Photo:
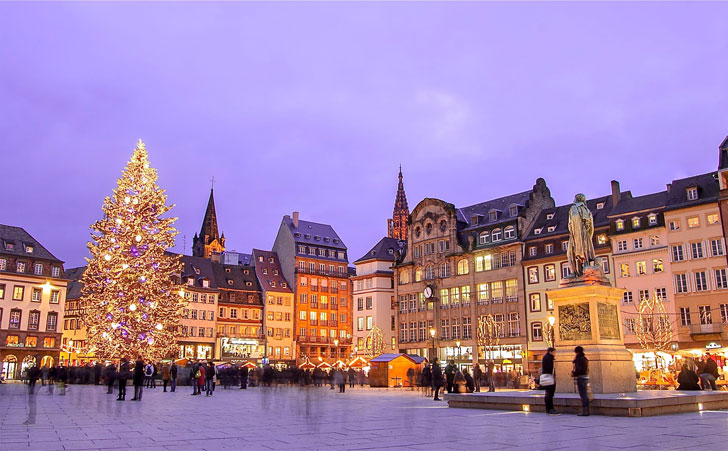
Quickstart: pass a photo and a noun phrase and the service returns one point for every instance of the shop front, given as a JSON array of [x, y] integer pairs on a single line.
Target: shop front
[[240, 349], [196, 351]]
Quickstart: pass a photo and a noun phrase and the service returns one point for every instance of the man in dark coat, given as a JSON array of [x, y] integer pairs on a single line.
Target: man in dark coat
[[437, 380], [123, 376], [97, 373], [110, 375], [709, 373], [244, 377], [352, 377], [33, 375], [581, 374], [173, 376], [547, 367], [450, 371], [477, 374], [138, 379], [687, 379]]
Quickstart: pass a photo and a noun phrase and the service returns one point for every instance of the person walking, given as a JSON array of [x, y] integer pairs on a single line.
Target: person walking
[[209, 378], [138, 379], [340, 379], [687, 379], [194, 375], [450, 371], [33, 375], [709, 373], [491, 378], [243, 377], [148, 371], [123, 376], [411, 378], [477, 374], [62, 378], [43, 375], [201, 378], [110, 375], [165, 376], [352, 377], [173, 377], [426, 380], [581, 374], [547, 380], [437, 380]]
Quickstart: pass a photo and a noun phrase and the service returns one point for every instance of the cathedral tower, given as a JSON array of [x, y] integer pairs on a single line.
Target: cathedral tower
[[209, 240], [397, 226]]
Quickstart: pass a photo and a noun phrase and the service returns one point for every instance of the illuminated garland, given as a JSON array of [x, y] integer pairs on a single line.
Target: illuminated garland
[[132, 308], [374, 342], [489, 331], [653, 330]]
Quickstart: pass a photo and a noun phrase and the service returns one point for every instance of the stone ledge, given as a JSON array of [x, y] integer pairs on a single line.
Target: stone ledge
[[641, 403]]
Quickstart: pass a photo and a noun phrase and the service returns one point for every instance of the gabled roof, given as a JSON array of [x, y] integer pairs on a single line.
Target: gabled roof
[[708, 189], [387, 249], [74, 287], [500, 204], [234, 277], [20, 239], [200, 269], [560, 217], [417, 358], [314, 233], [269, 273], [654, 201], [390, 357]]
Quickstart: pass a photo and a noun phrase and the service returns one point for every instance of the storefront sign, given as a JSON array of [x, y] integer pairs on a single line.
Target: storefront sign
[[15, 345], [239, 347]]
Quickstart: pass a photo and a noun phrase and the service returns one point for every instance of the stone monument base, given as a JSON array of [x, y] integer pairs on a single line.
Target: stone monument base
[[611, 369]]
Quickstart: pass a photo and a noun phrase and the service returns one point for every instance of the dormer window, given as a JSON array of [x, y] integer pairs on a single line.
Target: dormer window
[[551, 228], [265, 271], [538, 231], [29, 249], [497, 234], [620, 224], [271, 260], [245, 271], [227, 270], [248, 284], [297, 235], [284, 284], [549, 216], [514, 211], [493, 216], [275, 272], [484, 237], [327, 239], [230, 282], [509, 232], [474, 220], [635, 223], [692, 193], [206, 284], [600, 205], [652, 219], [272, 284], [9, 246], [190, 281], [390, 251], [307, 236], [260, 258], [602, 238], [336, 240], [317, 238]]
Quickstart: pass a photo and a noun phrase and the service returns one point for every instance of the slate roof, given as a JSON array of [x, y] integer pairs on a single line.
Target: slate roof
[[560, 217], [389, 357], [723, 156], [417, 358], [274, 273], [388, 249], [654, 201], [192, 265], [314, 233], [233, 277], [500, 204], [20, 239], [74, 287], [708, 189]]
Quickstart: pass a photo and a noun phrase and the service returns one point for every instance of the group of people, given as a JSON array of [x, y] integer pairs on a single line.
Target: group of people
[[702, 376], [51, 376], [580, 373]]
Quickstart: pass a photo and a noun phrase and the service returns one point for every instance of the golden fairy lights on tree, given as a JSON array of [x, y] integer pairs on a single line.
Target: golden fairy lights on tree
[[132, 308], [374, 342], [654, 329], [489, 331]]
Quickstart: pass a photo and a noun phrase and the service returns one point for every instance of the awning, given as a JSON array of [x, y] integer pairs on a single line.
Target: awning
[[307, 365], [359, 362], [324, 365]]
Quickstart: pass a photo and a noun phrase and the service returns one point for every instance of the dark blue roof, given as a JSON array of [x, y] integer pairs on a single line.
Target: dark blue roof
[[387, 249], [707, 185], [314, 233]]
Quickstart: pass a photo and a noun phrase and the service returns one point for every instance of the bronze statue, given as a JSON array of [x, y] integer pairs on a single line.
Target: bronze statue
[[581, 230]]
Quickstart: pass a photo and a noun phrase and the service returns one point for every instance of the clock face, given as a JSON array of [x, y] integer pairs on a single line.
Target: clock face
[[428, 292]]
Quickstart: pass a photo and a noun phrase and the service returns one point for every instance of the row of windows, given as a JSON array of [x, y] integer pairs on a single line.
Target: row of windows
[[303, 298], [698, 249], [693, 222], [193, 331], [429, 248], [636, 222], [701, 281], [322, 317], [323, 333], [200, 297], [35, 296], [278, 316], [38, 268], [245, 331], [279, 300], [450, 329], [276, 351], [360, 303], [483, 262], [638, 243], [655, 266], [304, 281], [16, 317], [246, 313], [201, 314], [360, 323], [659, 293], [549, 271], [330, 253], [496, 235], [279, 332], [705, 315], [30, 341]]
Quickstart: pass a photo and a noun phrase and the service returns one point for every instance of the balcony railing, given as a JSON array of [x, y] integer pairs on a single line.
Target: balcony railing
[[322, 340], [697, 329], [318, 272]]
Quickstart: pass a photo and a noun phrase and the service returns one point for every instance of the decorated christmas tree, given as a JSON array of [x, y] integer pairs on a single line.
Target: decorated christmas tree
[[132, 307]]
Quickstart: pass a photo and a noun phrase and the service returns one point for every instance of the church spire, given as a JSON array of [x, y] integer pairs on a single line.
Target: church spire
[[209, 239], [397, 226]]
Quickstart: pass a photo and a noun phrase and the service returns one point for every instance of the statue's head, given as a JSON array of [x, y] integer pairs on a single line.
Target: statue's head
[[579, 198]]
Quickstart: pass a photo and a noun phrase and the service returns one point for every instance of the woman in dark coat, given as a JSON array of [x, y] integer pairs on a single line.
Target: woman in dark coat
[[123, 376], [138, 379], [687, 379], [110, 376], [437, 380]]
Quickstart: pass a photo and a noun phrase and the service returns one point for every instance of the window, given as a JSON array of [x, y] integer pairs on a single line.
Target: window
[[34, 320], [51, 321], [685, 316], [641, 268], [3, 264], [712, 218], [429, 272], [605, 264], [483, 238], [535, 302], [497, 234], [657, 265], [629, 326], [692, 193], [624, 270], [533, 274], [620, 224], [532, 251], [635, 223], [724, 313], [369, 303], [444, 270], [701, 281], [644, 295], [661, 293], [483, 293], [565, 271], [455, 295], [514, 326], [509, 233], [20, 266], [221, 314], [704, 314], [2, 292], [31, 342], [622, 245], [654, 240], [370, 323], [513, 210], [483, 263], [403, 277], [35, 295], [602, 238], [674, 225], [496, 289], [720, 279], [697, 249], [549, 248], [716, 246], [360, 304], [681, 283], [652, 219], [512, 290], [360, 323], [463, 267], [18, 292], [549, 273], [492, 216], [627, 298], [693, 222], [536, 332], [418, 274], [537, 231], [38, 269], [677, 253], [637, 243], [233, 313]]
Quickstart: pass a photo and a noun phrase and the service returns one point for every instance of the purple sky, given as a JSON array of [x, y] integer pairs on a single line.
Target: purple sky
[[311, 107]]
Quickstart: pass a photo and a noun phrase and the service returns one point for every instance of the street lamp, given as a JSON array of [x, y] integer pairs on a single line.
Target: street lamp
[[432, 334]]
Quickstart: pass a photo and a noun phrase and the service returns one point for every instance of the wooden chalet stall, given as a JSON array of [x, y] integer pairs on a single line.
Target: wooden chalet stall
[[390, 370]]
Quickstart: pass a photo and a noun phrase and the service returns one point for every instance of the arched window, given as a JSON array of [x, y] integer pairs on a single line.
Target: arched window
[[429, 272], [484, 237], [404, 276], [463, 267], [509, 233], [418, 274], [497, 235]]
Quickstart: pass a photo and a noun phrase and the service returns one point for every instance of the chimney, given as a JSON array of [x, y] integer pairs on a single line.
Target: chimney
[[616, 193], [295, 219], [669, 185]]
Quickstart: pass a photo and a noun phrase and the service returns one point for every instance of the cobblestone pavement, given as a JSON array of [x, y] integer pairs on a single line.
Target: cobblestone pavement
[[319, 418]]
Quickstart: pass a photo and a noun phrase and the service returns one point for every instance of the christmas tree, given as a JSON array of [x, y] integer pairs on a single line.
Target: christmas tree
[[132, 307]]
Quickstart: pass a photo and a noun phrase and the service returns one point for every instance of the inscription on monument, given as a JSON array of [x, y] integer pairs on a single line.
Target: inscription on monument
[[608, 321], [575, 322]]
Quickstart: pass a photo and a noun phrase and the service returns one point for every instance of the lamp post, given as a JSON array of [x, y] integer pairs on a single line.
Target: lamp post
[[336, 345], [432, 334], [457, 343]]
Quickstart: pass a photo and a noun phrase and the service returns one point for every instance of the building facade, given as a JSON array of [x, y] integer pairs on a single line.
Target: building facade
[[723, 185], [314, 260], [197, 327], [698, 262], [374, 301], [545, 264], [462, 264], [209, 241], [74, 351], [32, 296], [278, 310]]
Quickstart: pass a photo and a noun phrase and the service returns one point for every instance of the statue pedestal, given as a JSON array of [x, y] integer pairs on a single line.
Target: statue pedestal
[[587, 314]]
